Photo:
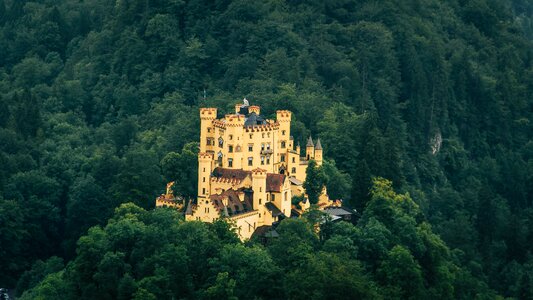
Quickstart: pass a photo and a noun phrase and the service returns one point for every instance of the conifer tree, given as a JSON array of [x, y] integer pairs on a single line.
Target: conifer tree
[[314, 181]]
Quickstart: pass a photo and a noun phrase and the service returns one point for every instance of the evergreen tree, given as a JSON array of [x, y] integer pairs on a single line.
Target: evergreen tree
[[314, 181]]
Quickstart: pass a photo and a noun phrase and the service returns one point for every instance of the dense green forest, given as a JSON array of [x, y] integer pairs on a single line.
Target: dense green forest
[[424, 109]]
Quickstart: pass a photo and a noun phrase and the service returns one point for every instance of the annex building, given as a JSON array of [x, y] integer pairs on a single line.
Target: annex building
[[249, 169]]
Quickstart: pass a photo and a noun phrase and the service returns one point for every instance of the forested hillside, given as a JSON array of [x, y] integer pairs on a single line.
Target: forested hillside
[[99, 106]]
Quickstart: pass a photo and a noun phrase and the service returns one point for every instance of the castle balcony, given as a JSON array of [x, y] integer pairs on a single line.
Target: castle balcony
[[266, 151]]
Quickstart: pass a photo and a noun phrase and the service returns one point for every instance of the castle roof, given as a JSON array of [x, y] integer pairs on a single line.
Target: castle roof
[[318, 145], [254, 119], [310, 142], [273, 209], [274, 182], [230, 173], [235, 204]]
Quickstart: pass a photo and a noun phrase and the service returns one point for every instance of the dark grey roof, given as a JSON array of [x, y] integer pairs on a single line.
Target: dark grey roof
[[295, 181], [339, 211], [275, 211], [188, 211], [318, 145], [254, 119], [310, 142]]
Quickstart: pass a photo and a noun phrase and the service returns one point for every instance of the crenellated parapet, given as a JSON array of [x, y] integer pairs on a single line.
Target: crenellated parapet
[[283, 116], [208, 113], [205, 156], [263, 127], [254, 109]]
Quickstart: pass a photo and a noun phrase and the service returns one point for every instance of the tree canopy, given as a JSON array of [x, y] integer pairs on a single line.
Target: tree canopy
[[99, 107]]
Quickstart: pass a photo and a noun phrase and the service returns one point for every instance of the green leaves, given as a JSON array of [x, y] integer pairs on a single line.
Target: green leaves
[[314, 181]]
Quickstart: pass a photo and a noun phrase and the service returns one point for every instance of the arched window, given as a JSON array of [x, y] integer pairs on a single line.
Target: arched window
[[283, 144], [220, 142], [219, 158]]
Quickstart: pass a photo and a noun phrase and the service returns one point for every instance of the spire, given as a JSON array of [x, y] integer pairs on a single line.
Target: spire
[[310, 142], [318, 145]]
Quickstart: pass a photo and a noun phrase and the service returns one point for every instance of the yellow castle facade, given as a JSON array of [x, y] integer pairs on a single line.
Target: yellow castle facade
[[249, 169]]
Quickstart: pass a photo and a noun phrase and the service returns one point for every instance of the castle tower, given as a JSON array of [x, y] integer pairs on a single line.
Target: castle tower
[[283, 117], [204, 173], [310, 149], [254, 109], [207, 133], [259, 187], [318, 153]]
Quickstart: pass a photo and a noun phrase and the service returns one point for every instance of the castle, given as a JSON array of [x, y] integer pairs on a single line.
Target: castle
[[249, 169]]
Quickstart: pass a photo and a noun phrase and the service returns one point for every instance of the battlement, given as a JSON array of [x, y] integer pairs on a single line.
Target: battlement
[[263, 127], [233, 120], [259, 172], [254, 109], [205, 155], [283, 116], [208, 113]]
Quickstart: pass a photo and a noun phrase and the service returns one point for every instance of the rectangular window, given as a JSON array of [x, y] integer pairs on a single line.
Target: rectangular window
[[283, 132], [294, 160], [230, 148], [250, 161], [283, 144], [268, 146], [268, 160], [282, 158], [293, 170], [230, 137], [203, 179], [262, 160], [250, 148], [203, 191], [273, 197], [208, 129], [230, 162]]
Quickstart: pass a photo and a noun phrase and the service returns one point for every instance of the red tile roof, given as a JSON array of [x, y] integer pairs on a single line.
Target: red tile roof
[[230, 173], [274, 182]]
